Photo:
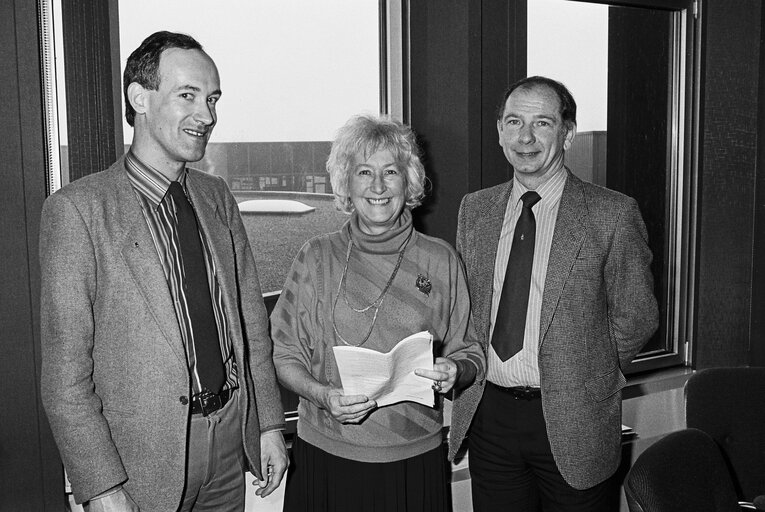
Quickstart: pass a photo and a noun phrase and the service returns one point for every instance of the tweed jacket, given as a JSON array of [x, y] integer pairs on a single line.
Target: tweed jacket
[[598, 310], [115, 382]]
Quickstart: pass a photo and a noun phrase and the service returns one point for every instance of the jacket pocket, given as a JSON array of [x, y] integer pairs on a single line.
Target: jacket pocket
[[605, 386]]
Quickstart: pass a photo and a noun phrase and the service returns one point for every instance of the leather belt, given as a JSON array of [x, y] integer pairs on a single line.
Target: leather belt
[[519, 392], [207, 403]]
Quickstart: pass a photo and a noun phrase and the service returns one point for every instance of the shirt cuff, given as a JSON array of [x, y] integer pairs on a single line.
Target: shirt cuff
[[467, 370], [109, 492]]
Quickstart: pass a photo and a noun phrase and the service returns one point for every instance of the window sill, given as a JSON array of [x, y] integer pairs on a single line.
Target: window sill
[[656, 381]]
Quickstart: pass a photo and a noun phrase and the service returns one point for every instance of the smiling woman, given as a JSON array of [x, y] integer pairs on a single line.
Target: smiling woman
[[377, 191], [373, 282], [375, 170]]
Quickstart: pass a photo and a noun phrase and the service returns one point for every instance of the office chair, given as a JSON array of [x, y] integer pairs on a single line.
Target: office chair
[[682, 472], [729, 405]]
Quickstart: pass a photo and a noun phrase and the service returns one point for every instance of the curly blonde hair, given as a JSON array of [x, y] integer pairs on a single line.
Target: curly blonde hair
[[364, 135]]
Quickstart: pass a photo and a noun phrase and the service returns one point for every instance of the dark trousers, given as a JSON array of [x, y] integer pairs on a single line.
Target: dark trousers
[[512, 467]]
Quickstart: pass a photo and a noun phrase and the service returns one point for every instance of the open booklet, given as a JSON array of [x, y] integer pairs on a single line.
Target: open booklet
[[389, 377]]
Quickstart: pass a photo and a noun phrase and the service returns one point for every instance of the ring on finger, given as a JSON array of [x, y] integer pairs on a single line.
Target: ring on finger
[[437, 385]]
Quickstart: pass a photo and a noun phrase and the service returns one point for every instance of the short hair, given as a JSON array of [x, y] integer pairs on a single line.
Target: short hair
[[565, 98], [143, 64], [364, 135]]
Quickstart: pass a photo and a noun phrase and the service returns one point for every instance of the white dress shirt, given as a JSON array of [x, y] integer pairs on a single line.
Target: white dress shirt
[[523, 369]]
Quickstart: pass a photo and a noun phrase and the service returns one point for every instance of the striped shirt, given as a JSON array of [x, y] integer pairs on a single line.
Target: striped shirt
[[158, 208], [523, 369]]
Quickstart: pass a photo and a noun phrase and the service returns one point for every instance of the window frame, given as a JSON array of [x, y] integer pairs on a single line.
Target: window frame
[[682, 193], [682, 190]]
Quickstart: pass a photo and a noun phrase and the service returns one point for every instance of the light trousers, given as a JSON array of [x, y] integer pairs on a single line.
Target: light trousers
[[215, 461]]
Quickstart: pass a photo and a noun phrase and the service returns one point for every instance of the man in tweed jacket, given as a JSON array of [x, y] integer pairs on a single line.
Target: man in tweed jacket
[[546, 423], [119, 381]]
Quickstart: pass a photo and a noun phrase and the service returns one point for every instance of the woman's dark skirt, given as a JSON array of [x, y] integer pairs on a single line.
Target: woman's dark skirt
[[318, 481]]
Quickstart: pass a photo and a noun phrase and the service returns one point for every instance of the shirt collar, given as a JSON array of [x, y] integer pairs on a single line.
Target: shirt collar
[[550, 191], [148, 181]]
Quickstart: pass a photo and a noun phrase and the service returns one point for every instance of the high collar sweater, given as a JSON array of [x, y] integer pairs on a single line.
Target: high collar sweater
[[303, 331]]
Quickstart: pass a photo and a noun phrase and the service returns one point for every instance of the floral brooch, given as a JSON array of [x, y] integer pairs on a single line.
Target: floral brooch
[[423, 284]]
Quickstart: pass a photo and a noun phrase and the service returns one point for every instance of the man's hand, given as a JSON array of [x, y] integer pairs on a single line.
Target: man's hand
[[347, 408], [273, 462], [118, 501]]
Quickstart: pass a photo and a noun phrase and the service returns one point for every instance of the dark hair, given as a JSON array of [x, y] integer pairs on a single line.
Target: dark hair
[[143, 64], [567, 103]]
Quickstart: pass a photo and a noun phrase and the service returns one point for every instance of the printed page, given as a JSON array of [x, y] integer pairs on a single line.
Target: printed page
[[389, 378]]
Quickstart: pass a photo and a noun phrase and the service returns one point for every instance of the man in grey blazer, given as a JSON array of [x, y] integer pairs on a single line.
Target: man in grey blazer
[[157, 375], [562, 296]]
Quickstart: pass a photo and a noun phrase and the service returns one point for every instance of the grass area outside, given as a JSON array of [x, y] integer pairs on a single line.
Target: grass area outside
[[276, 238]]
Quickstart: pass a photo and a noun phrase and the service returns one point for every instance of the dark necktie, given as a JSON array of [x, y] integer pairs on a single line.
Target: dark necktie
[[209, 362], [510, 323]]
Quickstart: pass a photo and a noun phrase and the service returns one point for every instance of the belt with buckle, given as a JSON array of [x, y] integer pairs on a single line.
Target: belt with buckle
[[208, 402], [519, 392]]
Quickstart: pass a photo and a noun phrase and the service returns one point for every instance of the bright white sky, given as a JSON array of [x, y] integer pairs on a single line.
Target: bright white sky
[[291, 70], [568, 41]]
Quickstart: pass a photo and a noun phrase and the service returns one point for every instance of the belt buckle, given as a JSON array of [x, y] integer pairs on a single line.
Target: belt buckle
[[524, 393], [210, 402]]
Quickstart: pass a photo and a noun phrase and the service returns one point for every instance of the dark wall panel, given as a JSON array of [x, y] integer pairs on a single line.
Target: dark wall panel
[[503, 59], [30, 472], [463, 57], [757, 335], [440, 55], [727, 175], [90, 91]]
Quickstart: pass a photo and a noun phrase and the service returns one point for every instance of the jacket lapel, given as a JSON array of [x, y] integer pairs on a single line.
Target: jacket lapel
[[218, 236], [489, 228], [142, 261], [567, 240]]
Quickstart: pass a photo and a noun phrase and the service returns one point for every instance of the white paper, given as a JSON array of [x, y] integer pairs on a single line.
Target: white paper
[[389, 377]]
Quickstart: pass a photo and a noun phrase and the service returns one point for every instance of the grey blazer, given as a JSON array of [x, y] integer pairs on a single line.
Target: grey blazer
[[115, 382], [598, 310]]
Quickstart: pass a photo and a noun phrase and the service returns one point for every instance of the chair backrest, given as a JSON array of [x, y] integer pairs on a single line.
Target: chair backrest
[[729, 405], [683, 471]]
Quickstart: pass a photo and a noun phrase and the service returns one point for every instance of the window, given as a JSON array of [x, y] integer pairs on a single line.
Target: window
[[629, 70], [291, 73], [273, 144]]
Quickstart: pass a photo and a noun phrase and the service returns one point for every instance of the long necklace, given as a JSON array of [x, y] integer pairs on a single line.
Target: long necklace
[[342, 288]]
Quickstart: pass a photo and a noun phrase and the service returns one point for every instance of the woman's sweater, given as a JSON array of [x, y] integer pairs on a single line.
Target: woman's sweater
[[303, 333]]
